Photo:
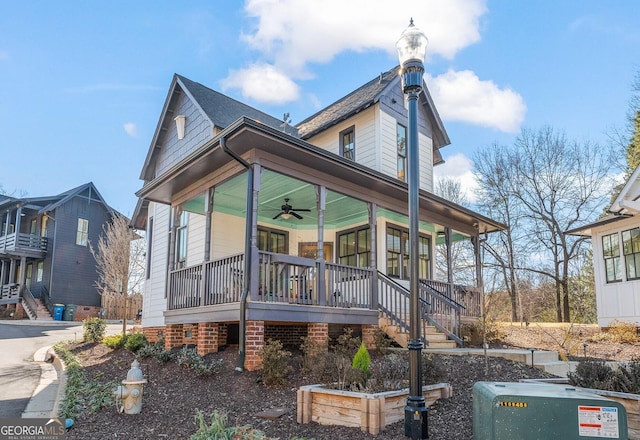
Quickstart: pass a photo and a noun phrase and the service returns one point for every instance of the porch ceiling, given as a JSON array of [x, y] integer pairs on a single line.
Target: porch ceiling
[[256, 143]]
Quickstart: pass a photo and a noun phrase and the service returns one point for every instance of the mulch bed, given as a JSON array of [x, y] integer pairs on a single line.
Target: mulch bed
[[173, 393]]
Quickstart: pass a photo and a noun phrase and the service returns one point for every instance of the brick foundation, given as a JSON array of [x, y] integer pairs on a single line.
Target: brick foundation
[[84, 312], [173, 336], [208, 337], [368, 332], [254, 343], [222, 334], [319, 332], [289, 335], [190, 334], [153, 334]]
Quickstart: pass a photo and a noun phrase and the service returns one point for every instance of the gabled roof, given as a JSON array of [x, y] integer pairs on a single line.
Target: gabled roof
[[627, 200], [364, 97], [49, 203], [220, 110]]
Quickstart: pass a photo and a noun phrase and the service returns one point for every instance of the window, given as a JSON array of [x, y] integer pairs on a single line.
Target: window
[[631, 247], [149, 246], [398, 254], [611, 252], [39, 271], [33, 227], [270, 240], [82, 236], [348, 144], [181, 240], [354, 247], [29, 275], [401, 132]]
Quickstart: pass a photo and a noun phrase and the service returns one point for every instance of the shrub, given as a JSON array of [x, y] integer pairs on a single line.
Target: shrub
[[115, 341], [391, 372], [94, 329], [135, 342], [626, 378], [190, 358], [592, 374], [156, 350], [217, 429], [382, 340], [275, 363], [473, 332], [362, 360], [623, 332]]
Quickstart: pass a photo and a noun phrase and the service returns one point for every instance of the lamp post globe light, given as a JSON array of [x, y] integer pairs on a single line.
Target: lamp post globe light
[[412, 47]]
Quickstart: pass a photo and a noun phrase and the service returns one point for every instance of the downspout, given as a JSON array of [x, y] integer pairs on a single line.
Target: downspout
[[247, 255]]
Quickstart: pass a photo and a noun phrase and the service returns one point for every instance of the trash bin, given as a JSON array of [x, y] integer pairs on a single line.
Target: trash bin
[[69, 312], [58, 310]]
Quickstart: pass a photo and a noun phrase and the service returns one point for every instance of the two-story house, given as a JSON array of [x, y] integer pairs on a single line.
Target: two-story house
[[259, 230], [44, 250], [615, 241]]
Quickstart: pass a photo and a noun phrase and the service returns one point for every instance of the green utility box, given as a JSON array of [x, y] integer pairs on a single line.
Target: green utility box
[[532, 411]]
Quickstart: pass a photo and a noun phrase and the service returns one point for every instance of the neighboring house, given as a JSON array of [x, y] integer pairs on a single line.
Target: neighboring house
[[259, 230], [615, 240], [44, 250]]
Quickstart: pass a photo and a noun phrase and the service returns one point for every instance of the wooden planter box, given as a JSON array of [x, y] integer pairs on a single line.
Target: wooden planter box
[[370, 412]]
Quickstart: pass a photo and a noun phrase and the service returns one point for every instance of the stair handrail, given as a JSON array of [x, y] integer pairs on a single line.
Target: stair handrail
[[29, 301], [46, 299], [396, 316], [444, 312]]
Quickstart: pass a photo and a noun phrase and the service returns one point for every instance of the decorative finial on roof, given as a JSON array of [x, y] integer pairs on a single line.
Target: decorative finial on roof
[[286, 120]]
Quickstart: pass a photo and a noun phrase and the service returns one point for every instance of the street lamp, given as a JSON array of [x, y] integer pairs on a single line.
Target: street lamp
[[411, 47]]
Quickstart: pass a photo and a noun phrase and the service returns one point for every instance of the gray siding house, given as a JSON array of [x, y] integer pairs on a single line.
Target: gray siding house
[[260, 230], [44, 250]]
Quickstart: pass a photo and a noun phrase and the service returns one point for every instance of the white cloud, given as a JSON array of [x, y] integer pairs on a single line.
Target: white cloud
[[462, 96], [291, 34], [263, 82], [131, 129], [459, 167]]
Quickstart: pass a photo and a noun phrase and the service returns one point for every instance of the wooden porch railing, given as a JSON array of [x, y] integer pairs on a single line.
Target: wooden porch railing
[[46, 298], [20, 241], [442, 311], [466, 296], [10, 293], [349, 286], [286, 278]]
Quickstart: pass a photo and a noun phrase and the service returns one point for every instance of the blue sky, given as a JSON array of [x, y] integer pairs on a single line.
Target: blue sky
[[82, 83]]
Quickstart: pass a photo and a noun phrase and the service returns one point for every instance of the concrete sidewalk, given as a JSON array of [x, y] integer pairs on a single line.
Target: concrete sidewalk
[[48, 395]]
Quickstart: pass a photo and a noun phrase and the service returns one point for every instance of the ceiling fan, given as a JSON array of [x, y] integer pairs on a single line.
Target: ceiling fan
[[287, 211]]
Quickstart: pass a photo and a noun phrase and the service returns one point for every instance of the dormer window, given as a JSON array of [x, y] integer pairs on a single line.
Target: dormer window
[[348, 144]]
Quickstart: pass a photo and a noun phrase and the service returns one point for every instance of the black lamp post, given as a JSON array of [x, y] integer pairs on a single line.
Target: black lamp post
[[411, 47]]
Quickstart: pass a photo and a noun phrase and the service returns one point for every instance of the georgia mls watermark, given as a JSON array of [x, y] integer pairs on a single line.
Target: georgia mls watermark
[[32, 429]]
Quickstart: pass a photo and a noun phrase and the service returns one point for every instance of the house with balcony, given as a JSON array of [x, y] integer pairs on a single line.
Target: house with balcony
[[615, 242], [259, 230], [44, 251]]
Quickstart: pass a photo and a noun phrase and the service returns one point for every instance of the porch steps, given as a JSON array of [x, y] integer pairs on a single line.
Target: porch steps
[[436, 339], [42, 313]]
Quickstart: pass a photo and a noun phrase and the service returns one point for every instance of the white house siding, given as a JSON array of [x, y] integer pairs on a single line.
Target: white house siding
[[426, 162], [195, 239], [227, 236], [154, 301], [198, 130], [365, 135], [619, 300]]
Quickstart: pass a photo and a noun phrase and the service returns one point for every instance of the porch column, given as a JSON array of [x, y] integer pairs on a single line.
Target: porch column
[[12, 271], [6, 229], [3, 272], [254, 275], [321, 200], [475, 240], [175, 221], [373, 264], [255, 342], [18, 218], [207, 223], [23, 270], [447, 239]]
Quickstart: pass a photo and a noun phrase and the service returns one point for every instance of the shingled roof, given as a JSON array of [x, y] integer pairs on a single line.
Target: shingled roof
[[354, 102], [223, 110]]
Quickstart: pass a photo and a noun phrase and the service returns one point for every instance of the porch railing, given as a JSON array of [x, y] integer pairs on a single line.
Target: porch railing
[[468, 297], [214, 282], [10, 293], [442, 311], [30, 302], [20, 241], [288, 279], [349, 286], [46, 298]]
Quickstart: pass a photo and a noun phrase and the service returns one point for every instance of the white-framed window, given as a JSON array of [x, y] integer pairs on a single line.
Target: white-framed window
[[39, 271], [181, 242], [82, 235], [631, 248], [611, 253], [348, 144]]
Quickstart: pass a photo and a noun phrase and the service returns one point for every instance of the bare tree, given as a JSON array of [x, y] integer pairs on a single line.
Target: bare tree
[[555, 184], [119, 256]]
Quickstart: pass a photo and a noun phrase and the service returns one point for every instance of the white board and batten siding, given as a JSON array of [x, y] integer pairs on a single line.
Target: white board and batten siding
[[616, 300], [198, 130]]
